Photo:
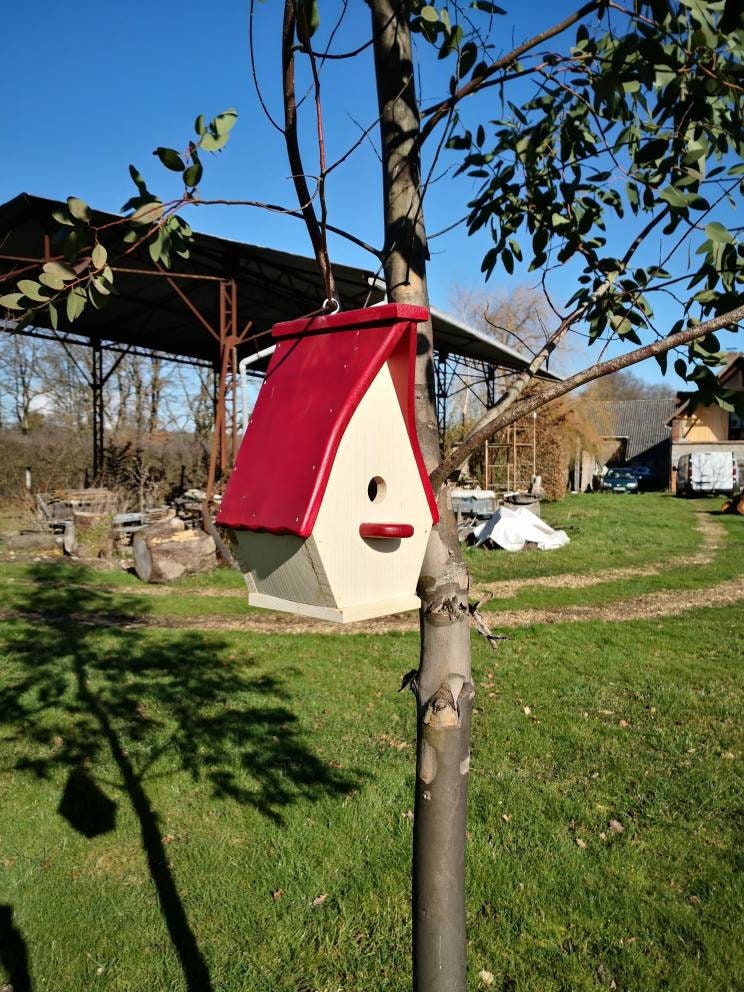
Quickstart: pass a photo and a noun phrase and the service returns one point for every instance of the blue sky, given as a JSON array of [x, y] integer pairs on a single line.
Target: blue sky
[[90, 87]]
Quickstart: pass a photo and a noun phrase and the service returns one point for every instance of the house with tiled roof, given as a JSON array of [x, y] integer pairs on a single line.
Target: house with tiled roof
[[631, 432], [710, 428]]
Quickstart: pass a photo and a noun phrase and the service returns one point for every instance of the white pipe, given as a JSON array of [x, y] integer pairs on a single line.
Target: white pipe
[[242, 366]]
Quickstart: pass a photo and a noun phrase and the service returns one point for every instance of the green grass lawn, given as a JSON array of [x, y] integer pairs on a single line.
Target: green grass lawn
[[607, 530], [227, 812]]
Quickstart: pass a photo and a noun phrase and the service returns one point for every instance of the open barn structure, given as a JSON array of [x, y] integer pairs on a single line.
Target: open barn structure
[[214, 310]]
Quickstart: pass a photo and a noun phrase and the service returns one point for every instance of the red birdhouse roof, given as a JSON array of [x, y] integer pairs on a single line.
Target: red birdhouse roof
[[321, 369]]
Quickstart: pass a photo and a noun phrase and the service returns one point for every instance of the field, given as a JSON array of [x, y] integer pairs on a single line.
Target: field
[[200, 797]]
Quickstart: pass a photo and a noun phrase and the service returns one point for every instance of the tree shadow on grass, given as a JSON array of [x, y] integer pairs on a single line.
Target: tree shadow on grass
[[13, 953], [91, 685]]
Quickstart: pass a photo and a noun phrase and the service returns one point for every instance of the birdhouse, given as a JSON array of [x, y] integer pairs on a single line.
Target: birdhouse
[[329, 502]]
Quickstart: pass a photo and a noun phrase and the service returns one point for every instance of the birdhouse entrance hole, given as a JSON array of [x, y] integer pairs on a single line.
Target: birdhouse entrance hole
[[376, 489]]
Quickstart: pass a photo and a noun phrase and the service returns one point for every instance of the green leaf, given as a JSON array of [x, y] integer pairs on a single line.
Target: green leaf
[[674, 197], [12, 301], [311, 16], [53, 316], [210, 143], [170, 159], [137, 179], [507, 260], [662, 360], [192, 175], [78, 209], [224, 123], [52, 280], [59, 270], [155, 245], [680, 367], [96, 298], [652, 151], [717, 232], [102, 285], [486, 7], [468, 55], [558, 221], [62, 218], [429, 13], [620, 324], [32, 290], [99, 256], [148, 214], [200, 125], [75, 303]]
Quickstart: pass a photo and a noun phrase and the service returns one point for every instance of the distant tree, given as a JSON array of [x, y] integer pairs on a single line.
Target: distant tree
[[23, 388], [627, 386], [519, 318]]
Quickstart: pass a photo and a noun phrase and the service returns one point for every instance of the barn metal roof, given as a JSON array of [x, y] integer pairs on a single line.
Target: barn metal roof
[[272, 286], [643, 421]]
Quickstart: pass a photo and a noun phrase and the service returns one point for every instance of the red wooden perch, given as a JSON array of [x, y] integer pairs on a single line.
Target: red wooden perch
[[388, 531]]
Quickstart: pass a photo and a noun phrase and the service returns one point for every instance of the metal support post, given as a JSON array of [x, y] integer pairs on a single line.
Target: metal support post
[[440, 371], [96, 383]]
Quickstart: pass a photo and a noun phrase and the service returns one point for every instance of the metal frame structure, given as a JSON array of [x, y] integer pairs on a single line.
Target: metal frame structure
[[214, 309], [510, 458]]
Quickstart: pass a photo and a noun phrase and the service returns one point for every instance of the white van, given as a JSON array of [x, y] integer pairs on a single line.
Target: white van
[[704, 472]]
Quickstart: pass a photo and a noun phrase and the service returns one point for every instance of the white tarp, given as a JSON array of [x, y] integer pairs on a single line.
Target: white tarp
[[511, 529]]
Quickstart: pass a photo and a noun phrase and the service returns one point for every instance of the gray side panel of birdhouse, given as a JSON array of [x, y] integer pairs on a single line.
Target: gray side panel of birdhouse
[[284, 566]]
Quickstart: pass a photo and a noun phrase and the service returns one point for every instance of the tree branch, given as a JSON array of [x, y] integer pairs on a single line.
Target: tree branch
[[480, 435], [293, 147], [441, 109]]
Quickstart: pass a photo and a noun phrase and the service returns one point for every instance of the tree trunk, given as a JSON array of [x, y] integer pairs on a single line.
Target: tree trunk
[[443, 688], [166, 551]]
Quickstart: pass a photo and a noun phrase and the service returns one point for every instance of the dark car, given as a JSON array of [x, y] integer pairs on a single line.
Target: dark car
[[642, 472], [620, 481]]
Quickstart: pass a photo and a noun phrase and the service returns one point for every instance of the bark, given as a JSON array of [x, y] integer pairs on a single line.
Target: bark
[[442, 686], [166, 551], [156, 387], [34, 542]]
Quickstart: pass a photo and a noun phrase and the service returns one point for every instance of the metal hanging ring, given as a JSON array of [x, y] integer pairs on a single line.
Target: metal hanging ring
[[332, 305]]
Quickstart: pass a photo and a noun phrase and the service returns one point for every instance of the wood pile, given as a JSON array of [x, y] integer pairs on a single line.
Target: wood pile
[[165, 551]]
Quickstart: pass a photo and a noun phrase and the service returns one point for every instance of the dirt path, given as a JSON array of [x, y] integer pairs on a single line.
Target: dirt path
[[712, 532], [644, 607]]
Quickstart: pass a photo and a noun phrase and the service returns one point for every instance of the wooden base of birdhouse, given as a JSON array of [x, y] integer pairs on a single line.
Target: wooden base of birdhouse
[[346, 614]]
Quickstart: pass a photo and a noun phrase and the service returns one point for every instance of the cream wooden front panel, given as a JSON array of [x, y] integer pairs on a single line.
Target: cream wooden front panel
[[375, 445]]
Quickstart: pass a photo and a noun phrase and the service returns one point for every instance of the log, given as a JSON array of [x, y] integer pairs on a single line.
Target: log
[[34, 542], [69, 542], [165, 551]]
